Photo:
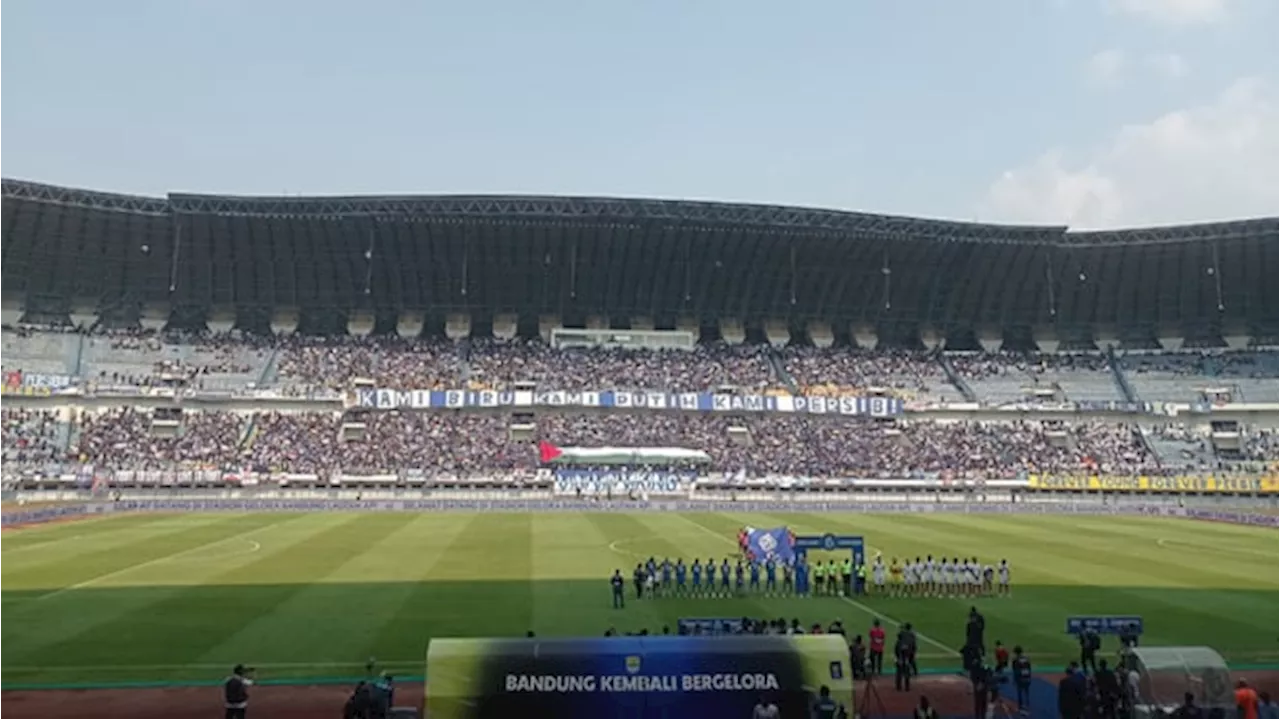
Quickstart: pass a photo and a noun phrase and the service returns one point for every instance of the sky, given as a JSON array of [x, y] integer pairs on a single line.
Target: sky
[[1090, 113]]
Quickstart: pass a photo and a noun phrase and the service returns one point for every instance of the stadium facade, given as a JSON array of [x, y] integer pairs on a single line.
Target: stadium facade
[[475, 264]]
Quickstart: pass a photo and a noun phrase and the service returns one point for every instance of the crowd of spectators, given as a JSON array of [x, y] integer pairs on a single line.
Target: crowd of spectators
[[390, 362], [844, 370], [475, 443], [1261, 445], [447, 444], [31, 436], [820, 447], [499, 364], [129, 439], [976, 367]]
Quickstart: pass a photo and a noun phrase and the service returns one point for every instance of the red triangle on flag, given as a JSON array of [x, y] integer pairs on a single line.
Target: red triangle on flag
[[548, 452]]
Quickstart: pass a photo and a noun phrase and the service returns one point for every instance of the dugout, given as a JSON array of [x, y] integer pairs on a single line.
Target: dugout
[[1166, 673], [661, 676]]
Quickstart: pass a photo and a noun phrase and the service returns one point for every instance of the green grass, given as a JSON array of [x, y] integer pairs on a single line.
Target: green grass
[[183, 597]]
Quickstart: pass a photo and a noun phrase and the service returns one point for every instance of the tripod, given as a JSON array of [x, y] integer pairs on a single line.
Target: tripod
[[870, 694]]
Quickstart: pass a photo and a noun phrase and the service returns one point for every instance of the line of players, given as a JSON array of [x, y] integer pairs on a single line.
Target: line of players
[[940, 578], [918, 578], [770, 577]]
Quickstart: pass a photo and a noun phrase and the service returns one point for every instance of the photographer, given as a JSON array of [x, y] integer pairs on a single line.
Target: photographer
[[907, 637], [1090, 643], [1072, 693], [902, 665], [1022, 674], [1108, 690], [974, 630], [235, 691], [858, 658], [986, 689]]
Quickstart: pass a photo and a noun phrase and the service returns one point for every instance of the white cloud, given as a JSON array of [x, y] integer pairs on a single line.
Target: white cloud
[[1170, 65], [1173, 12], [1105, 68], [1216, 161]]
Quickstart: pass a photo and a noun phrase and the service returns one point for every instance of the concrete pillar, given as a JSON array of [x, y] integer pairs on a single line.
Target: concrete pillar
[[284, 320]]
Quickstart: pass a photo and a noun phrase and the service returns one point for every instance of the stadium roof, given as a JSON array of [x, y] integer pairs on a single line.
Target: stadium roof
[[577, 256]]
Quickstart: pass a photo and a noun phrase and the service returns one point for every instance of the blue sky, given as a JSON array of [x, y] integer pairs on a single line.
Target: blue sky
[[1089, 112]]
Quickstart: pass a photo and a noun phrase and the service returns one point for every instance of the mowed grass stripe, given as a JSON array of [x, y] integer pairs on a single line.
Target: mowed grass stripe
[[419, 615], [26, 539], [62, 620], [1234, 561], [106, 549], [351, 598], [483, 585], [573, 558]]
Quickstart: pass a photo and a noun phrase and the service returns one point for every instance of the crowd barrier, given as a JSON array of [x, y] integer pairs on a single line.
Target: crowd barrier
[[621, 506]]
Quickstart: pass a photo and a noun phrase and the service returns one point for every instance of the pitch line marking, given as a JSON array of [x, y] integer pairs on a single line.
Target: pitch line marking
[[883, 617], [1174, 544], [134, 567], [251, 544]]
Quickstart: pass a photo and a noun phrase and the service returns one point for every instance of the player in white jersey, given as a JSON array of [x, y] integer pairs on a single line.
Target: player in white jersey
[[940, 572], [930, 576], [1002, 572], [878, 575], [975, 577], [911, 577], [956, 579], [962, 577]]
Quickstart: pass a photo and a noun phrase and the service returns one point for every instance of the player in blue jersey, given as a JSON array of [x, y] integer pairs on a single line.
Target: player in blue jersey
[[770, 575], [696, 571], [788, 586], [725, 571], [802, 577], [755, 576], [681, 572], [666, 577], [710, 569], [740, 578], [651, 566]]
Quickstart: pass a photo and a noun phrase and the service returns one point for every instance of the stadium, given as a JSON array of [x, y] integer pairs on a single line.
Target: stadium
[[316, 434]]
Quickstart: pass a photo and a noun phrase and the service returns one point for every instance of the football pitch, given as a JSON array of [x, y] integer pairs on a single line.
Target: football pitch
[[182, 597]]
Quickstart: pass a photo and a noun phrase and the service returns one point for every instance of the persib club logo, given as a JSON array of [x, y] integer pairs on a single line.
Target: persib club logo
[[828, 542], [633, 664], [768, 544]]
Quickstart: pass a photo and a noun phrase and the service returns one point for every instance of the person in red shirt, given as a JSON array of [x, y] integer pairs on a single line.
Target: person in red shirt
[[1246, 700], [876, 653], [1002, 657]]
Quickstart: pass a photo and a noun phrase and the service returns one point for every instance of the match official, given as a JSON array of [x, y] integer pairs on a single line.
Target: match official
[[619, 587], [235, 692]]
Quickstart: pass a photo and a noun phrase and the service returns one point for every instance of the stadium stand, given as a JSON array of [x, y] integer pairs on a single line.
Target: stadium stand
[[281, 306]]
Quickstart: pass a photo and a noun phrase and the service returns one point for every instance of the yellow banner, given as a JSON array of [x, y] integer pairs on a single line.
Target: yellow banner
[[1225, 484], [25, 391]]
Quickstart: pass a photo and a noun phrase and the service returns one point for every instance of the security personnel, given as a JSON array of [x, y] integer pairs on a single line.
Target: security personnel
[[861, 587], [826, 707], [846, 573], [235, 692], [819, 573]]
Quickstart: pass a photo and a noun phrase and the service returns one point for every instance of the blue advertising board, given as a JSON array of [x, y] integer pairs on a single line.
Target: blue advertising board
[[710, 625], [1122, 624]]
